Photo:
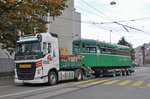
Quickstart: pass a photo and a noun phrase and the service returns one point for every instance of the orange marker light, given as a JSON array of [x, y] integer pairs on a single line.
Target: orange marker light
[[34, 31], [22, 33]]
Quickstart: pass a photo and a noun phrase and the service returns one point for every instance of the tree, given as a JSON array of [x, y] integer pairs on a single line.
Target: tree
[[25, 16], [122, 41]]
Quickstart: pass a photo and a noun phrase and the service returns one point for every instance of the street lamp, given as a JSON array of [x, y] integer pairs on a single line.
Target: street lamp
[[113, 3]]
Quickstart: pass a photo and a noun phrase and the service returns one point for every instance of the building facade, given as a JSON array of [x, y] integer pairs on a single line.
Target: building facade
[[142, 54], [67, 26]]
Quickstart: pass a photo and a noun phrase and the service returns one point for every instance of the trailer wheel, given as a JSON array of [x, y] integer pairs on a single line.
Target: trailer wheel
[[52, 78], [114, 74], [128, 72], [78, 74], [120, 73], [124, 73]]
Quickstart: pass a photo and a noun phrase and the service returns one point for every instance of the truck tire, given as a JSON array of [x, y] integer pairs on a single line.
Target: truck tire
[[52, 78], [97, 75], [78, 74]]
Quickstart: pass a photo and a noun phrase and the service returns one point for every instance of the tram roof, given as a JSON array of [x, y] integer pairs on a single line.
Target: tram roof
[[105, 43]]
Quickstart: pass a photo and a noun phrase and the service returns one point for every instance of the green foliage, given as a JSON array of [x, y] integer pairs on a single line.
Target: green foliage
[[25, 16], [122, 41]]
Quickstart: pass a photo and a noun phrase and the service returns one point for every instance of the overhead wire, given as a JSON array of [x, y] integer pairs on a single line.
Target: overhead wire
[[109, 18]]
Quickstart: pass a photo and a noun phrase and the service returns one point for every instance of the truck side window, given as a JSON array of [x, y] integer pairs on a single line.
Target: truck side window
[[44, 48], [49, 47]]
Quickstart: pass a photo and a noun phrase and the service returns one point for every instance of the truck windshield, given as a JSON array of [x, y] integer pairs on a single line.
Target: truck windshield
[[28, 50]]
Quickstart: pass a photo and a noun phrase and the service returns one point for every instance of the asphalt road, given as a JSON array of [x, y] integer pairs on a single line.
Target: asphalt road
[[135, 86]]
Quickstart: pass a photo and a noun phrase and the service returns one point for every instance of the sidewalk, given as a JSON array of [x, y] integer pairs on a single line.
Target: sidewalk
[[6, 81]]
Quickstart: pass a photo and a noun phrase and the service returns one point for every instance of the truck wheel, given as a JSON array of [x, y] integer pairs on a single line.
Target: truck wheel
[[97, 75], [78, 75], [52, 78]]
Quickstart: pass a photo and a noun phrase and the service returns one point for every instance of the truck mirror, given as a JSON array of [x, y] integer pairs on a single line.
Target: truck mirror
[[39, 37]]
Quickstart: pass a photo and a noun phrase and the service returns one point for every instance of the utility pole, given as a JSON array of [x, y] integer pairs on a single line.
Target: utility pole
[[110, 35]]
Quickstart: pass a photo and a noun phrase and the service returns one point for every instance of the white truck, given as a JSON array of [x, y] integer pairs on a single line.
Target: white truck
[[37, 60]]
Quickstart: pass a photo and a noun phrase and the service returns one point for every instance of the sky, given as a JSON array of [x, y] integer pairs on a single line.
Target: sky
[[98, 20]]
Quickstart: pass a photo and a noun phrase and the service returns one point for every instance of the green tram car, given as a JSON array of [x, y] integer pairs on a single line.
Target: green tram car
[[104, 58]]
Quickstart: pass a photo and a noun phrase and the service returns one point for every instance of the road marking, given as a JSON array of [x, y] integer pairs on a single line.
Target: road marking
[[111, 82], [124, 82], [148, 85], [97, 82], [68, 82], [7, 95], [5, 86], [81, 82], [138, 83], [51, 94]]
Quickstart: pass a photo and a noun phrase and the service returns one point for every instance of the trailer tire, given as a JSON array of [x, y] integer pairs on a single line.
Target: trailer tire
[[124, 73], [114, 74], [128, 72], [78, 75], [52, 78], [120, 73]]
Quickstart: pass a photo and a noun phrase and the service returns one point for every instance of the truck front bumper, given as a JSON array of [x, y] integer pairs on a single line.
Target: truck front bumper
[[37, 80]]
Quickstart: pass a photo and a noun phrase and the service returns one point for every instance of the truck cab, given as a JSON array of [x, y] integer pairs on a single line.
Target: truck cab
[[35, 56]]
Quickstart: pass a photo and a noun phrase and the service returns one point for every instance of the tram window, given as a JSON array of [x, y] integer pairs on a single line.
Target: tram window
[[103, 51], [98, 49], [91, 48], [76, 48], [114, 52], [83, 48], [109, 51]]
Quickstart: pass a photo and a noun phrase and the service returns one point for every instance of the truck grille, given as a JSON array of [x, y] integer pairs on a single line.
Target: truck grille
[[26, 72]]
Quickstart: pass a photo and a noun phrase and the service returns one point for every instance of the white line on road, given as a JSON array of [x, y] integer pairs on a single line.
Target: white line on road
[[51, 94], [29, 91]]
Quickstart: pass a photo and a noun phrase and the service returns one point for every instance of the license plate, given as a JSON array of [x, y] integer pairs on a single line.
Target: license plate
[[25, 66], [25, 81]]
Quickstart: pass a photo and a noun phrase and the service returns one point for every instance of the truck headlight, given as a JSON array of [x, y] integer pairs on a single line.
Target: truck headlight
[[39, 72]]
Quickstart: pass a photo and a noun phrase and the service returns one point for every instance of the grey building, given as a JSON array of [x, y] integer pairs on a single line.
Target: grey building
[[67, 26]]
